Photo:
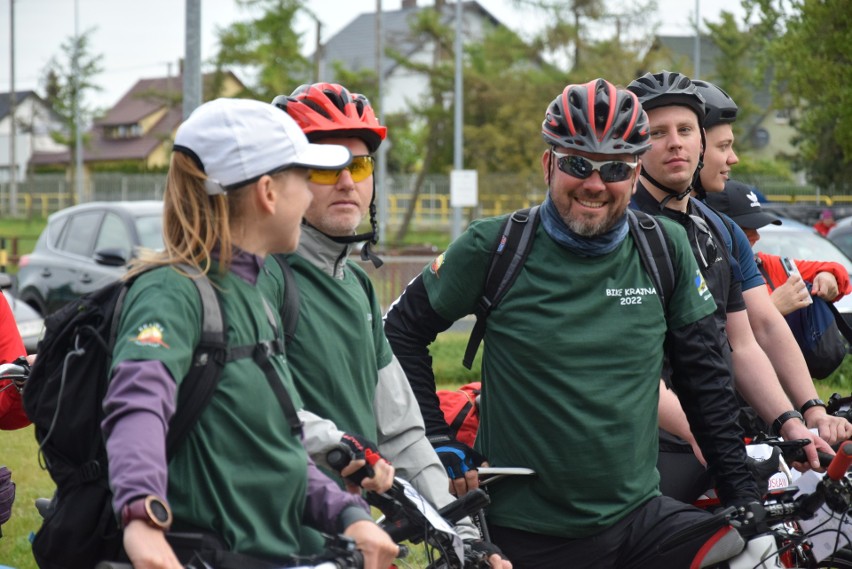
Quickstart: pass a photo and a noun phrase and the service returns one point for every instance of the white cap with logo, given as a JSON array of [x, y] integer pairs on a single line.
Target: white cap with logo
[[236, 141]]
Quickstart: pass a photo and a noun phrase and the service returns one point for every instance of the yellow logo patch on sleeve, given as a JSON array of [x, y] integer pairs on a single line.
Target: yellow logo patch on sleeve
[[150, 334], [436, 264]]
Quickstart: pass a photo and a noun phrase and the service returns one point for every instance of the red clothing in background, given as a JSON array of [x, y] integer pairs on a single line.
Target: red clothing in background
[[12, 414], [808, 269]]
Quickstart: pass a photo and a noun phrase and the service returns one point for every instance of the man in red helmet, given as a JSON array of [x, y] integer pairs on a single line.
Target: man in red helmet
[[570, 369], [339, 357]]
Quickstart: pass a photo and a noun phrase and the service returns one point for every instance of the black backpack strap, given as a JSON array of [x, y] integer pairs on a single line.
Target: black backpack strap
[[290, 308], [509, 254], [651, 240], [759, 262], [261, 353], [207, 362], [844, 328], [261, 357]]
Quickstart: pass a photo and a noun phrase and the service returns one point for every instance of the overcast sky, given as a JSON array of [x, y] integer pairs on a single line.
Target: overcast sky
[[140, 39]]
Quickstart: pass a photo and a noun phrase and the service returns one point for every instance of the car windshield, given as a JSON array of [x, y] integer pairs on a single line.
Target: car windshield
[[800, 244], [150, 228]]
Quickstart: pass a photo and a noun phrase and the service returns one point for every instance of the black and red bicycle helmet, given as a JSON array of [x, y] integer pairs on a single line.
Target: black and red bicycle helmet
[[719, 106], [597, 117], [326, 110]]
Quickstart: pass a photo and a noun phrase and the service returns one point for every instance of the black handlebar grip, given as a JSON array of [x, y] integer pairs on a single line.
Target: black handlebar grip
[[339, 458], [467, 505]]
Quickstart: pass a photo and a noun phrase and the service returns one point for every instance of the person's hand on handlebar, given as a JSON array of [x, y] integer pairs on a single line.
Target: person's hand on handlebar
[[377, 546], [491, 552], [795, 429], [365, 455], [461, 463], [147, 547], [834, 430], [380, 481]]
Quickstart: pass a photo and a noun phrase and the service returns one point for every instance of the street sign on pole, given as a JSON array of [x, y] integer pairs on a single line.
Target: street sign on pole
[[464, 188]]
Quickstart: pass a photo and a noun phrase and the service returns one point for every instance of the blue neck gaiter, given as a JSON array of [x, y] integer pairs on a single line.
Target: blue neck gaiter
[[577, 244]]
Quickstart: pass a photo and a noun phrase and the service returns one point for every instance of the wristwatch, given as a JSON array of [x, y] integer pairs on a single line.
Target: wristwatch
[[151, 509], [811, 403], [783, 418]]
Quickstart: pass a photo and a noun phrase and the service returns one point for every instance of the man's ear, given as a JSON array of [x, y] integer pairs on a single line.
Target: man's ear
[[545, 165]]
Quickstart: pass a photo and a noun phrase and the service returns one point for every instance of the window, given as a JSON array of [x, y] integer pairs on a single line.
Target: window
[[114, 235], [79, 234]]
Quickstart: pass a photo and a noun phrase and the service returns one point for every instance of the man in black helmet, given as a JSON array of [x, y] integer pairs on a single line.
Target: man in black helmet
[[572, 357], [676, 113]]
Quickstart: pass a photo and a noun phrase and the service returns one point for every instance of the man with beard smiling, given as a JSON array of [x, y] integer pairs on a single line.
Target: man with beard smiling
[[562, 393]]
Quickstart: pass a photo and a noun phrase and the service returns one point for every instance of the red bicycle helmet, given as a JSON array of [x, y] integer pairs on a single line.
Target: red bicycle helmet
[[597, 117], [326, 110]]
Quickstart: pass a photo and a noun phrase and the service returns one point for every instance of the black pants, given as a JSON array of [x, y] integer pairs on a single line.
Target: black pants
[[650, 537], [682, 476]]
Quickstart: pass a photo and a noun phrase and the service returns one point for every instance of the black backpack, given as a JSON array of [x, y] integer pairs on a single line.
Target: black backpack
[[63, 398], [515, 242]]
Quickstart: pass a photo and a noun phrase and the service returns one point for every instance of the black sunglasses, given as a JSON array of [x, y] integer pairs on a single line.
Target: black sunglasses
[[582, 168]]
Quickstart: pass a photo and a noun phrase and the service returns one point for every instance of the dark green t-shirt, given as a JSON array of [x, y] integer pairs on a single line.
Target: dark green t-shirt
[[571, 369], [241, 473], [339, 344]]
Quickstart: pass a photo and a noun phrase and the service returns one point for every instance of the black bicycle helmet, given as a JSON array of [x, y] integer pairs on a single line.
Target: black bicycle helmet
[[719, 106], [668, 88], [597, 117]]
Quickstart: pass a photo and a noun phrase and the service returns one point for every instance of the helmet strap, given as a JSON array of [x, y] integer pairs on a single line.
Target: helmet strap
[[370, 238]]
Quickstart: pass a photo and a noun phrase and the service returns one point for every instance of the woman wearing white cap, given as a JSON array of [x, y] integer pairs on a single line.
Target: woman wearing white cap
[[237, 177]]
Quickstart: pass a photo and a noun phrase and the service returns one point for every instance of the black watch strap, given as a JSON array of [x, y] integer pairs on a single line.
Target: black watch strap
[[811, 403], [783, 418]]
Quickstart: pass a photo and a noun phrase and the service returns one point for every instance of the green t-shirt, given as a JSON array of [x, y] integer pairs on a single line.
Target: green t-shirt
[[339, 343], [241, 473], [571, 369]]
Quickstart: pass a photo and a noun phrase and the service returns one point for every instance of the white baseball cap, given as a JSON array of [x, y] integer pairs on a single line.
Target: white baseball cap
[[236, 141]]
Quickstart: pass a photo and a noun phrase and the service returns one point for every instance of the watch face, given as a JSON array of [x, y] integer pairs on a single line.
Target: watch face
[[159, 511]]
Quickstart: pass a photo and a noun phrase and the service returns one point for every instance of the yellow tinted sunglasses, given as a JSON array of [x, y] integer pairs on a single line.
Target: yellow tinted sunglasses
[[360, 169]]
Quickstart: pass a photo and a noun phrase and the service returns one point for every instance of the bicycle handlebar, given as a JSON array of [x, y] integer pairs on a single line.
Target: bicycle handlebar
[[841, 462]]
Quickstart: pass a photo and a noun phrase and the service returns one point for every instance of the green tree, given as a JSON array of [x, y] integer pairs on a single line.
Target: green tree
[[813, 67], [67, 80], [267, 46]]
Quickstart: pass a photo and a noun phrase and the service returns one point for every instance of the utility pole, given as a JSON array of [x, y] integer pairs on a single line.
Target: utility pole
[[381, 182], [697, 54], [78, 123], [458, 124], [13, 107], [192, 58]]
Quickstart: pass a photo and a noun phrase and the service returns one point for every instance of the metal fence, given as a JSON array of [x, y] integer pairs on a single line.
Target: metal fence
[[498, 193]]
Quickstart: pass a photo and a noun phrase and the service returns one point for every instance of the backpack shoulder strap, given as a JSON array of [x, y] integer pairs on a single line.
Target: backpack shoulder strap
[[653, 245], [510, 252], [208, 359], [723, 230], [290, 308]]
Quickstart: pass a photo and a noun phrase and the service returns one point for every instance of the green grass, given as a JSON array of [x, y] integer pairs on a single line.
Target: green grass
[[20, 233], [20, 455]]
